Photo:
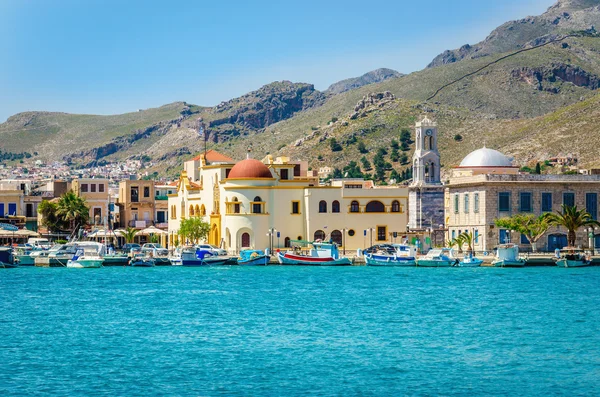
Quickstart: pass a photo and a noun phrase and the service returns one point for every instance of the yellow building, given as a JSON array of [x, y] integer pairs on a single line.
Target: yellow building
[[136, 203], [95, 193], [260, 204]]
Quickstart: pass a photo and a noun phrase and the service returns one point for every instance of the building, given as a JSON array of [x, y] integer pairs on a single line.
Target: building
[[426, 195], [487, 186], [18, 203], [136, 203], [95, 193], [268, 203]]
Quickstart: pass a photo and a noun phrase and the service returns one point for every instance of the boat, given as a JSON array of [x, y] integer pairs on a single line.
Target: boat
[[439, 257], [321, 254], [141, 260], [507, 255], [390, 255], [573, 257], [7, 259], [198, 257], [116, 260], [470, 261], [22, 255], [156, 251], [88, 256], [253, 258], [175, 258]]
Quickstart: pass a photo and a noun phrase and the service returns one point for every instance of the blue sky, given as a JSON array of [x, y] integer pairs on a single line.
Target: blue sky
[[107, 57]]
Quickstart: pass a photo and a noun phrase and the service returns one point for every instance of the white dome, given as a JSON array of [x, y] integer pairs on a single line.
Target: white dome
[[485, 157]]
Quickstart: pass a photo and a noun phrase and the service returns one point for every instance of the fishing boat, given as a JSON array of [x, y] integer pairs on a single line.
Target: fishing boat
[[198, 257], [573, 257], [391, 255], [253, 258], [87, 256], [7, 259], [439, 257], [507, 255], [470, 260], [141, 260], [320, 254], [116, 260]]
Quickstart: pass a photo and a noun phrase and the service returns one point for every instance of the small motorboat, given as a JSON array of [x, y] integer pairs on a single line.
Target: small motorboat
[[470, 260], [573, 257], [141, 260], [88, 256], [391, 255], [175, 258], [442, 257], [253, 258], [200, 257], [7, 259], [321, 254], [507, 255]]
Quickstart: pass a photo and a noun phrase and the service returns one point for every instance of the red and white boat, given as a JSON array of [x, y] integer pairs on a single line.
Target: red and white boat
[[320, 254]]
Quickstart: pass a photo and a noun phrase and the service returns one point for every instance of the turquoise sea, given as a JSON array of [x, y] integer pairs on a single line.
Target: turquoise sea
[[275, 331]]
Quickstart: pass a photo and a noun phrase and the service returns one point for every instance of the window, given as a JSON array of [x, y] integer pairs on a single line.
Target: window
[[227, 171], [504, 201], [203, 210], [97, 214], [354, 206], [322, 206], [453, 234], [395, 206], [287, 242], [319, 235], [295, 207], [524, 239], [197, 210], [93, 187], [160, 216], [546, 202], [84, 188], [236, 205], [504, 236], [12, 209], [146, 191], [285, 174], [101, 187], [245, 240], [351, 232], [191, 210], [381, 233], [173, 212], [591, 204], [375, 206], [525, 202], [336, 237], [335, 207], [257, 205], [476, 202], [2, 213], [29, 212], [456, 203], [466, 203], [569, 199], [134, 194], [476, 236]]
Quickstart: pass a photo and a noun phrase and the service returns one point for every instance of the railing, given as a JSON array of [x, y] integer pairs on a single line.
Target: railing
[[139, 224]]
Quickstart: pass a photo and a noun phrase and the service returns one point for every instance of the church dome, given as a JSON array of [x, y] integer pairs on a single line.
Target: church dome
[[485, 157], [250, 168]]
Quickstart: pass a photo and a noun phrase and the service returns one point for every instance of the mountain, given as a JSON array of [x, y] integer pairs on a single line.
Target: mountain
[[563, 17], [374, 76]]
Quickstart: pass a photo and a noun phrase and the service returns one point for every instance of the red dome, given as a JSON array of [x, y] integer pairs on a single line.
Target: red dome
[[250, 168]]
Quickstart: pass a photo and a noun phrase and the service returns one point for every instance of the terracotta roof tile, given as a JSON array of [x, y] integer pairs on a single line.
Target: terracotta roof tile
[[215, 157]]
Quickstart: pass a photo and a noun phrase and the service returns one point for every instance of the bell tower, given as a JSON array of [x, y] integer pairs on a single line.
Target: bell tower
[[426, 192]]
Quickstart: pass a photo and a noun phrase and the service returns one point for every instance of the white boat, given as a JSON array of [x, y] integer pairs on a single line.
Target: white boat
[[507, 255], [253, 258], [439, 257], [391, 255], [321, 254], [573, 257], [175, 258], [193, 256], [88, 255], [470, 261], [141, 260]]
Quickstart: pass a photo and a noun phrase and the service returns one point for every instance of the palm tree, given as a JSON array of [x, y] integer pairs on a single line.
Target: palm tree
[[571, 219], [468, 239], [73, 210], [129, 234]]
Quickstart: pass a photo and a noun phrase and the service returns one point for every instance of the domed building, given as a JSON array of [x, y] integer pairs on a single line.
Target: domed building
[[487, 186]]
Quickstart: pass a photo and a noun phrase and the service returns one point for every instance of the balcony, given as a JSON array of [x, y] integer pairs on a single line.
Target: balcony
[[161, 198], [139, 224]]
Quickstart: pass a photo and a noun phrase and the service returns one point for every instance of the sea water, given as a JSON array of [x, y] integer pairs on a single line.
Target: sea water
[[273, 331]]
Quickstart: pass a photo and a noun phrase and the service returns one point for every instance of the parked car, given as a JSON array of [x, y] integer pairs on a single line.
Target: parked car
[[131, 247], [155, 249], [212, 249]]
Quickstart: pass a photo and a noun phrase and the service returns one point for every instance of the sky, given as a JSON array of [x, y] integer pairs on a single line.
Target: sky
[[118, 56]]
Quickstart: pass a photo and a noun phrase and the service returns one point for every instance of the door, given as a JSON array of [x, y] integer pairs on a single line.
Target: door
[[557, 241], [245, 240]]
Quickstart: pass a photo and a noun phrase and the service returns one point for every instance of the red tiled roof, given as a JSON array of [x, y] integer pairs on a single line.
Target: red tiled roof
[[212, 156]]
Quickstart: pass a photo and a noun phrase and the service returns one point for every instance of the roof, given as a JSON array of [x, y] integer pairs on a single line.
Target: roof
[[249, 168], [485, 157], [212, 156]]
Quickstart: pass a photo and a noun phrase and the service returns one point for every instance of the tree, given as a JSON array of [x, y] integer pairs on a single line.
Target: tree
[[571, 219], [394, 155], [458, 137], [362, 148], [405, 136], [404, 146], [469, 239], [403, 159], [352, 170], [47, 210], [194, 229], [337, 173], [530, 226], [334, 145], [366, 164], [382, 151], [72, 210], [394, 144], [538, 168], [129, 234]]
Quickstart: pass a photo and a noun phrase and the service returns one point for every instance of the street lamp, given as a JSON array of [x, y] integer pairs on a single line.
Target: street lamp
[[270, 234], [371, 230]]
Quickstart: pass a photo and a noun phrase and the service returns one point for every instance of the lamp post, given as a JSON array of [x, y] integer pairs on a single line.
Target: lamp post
[[344, 241], [371, 230], [270, 234]]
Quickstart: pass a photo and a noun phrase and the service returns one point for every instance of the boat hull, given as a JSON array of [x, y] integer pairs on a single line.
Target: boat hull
[[116, 260], [471, 263], [435, 263], [25, 260], [85, 263], [507, 263], [204, 262], [298, 260], [141, 263], [259, 261], [381, 260], [572, 263], [8, 265]]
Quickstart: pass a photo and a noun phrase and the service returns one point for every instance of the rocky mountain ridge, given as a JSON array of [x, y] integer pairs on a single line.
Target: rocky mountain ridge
[[374, 76]]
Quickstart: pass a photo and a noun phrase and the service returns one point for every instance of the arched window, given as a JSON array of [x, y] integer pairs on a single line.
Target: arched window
[[431, 171], [335, 206], [203, 210], [245, 240], [197, 210], [375, 206], [236, 205], [287, 242], [173, 212], [257, 206], [336, 237], [322, 206], [319, 235], [354, 206], [191, 210], [395, 206]]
